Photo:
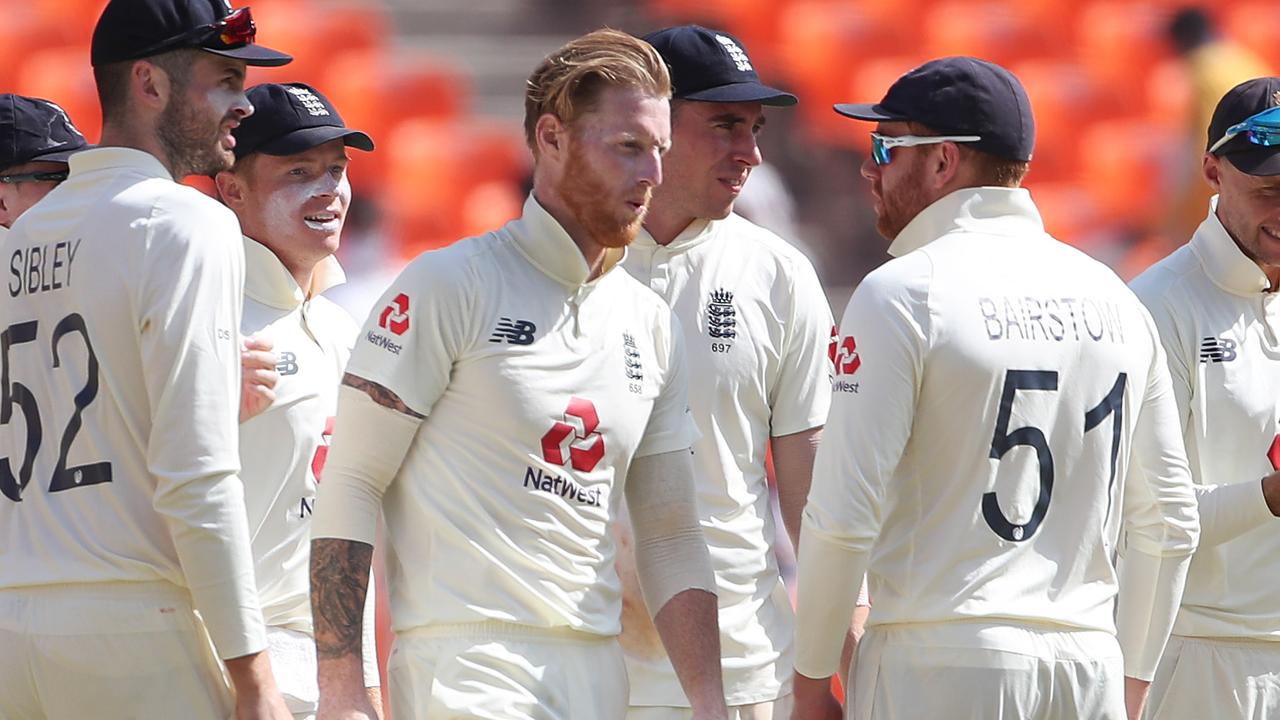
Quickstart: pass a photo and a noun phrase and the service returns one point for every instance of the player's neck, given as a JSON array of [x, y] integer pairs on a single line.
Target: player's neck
[[664, 227], [592, 252], [117, 135]]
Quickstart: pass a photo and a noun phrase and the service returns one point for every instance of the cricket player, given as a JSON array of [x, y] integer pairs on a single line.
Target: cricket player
[[290, 192], [36, 138], [756, 329], [122, 514], [1002, 410], [1214, 302], [497, 407]]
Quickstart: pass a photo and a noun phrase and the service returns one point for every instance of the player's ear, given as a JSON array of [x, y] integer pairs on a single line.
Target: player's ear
[[945, 164], [231, 189], [150, 85], [550, 134], [1212, 169]]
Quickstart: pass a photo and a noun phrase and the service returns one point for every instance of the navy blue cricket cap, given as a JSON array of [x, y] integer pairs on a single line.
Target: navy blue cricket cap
[[1240, 103], [292, 118], [136, 29], [960, 96], [711, 66], [35, 130]]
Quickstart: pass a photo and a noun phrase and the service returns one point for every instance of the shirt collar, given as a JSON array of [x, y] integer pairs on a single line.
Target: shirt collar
[[986, 210], [694, 233], [547, 245], [267, 281], [107, 158], [1223, 260]]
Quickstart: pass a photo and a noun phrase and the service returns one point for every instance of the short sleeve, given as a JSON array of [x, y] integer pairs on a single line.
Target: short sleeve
[[416, 331], [670, 426], [801, 396]]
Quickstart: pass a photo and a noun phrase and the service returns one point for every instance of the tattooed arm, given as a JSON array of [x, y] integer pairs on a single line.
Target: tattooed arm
[[339, 580], [373, 433]]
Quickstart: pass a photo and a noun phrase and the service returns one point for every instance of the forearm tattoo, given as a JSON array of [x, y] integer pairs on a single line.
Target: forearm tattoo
[[380, 395], [339, 582]]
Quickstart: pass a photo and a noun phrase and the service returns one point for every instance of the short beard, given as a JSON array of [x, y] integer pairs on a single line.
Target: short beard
[[908, 202], [582, 189], [188, 140]]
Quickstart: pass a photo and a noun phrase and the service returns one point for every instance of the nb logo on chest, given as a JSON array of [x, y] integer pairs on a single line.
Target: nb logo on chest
[[513, 332]]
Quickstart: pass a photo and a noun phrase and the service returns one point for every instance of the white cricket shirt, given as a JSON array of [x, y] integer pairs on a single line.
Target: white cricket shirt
[[283, 448], [1000, 397], [756, 331], [1221, 330], [538, 387], [121, 327]]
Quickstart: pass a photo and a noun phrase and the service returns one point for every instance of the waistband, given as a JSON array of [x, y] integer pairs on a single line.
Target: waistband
[[156, 589], [499, 630], [1251, 643]]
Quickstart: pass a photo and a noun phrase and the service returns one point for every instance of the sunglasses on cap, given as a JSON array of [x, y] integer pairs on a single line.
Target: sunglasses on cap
[[235, 30], [1260, 129], [16, 178], [881, 144]]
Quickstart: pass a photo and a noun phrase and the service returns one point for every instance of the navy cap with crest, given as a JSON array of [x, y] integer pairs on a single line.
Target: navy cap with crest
[[34, 130], [960, 96], [1239, 104], [291, 118], [711, 66], [136, 29]]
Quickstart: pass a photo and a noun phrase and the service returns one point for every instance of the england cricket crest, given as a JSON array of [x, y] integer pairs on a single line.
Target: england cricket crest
[[722, 318]]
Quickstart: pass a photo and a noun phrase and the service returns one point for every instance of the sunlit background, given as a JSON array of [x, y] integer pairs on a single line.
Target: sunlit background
[[1120, 111]]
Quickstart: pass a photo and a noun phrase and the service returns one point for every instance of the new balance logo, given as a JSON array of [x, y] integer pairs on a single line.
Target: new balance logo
[[513, 332], [288, 364], [1217, 350], [721, 315]]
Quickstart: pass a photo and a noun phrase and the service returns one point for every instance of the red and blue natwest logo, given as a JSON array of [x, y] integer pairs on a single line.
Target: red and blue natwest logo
[[395, 317], [575, 437]]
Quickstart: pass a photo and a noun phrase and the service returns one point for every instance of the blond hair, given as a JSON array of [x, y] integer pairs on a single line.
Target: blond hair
[[568, 82]]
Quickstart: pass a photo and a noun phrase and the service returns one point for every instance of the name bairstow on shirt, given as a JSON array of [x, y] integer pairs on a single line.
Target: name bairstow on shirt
[[1052, 318]]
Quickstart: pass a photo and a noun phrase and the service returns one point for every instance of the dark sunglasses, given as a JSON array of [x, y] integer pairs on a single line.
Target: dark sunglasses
[[58, 176]]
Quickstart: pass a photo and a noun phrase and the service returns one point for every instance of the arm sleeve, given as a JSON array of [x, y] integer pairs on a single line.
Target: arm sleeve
[[189, 322], [369, 635], [1161, 527], [1227, 510], [369, 444], [671, 553], [801, 396], [879, 368], [670, 425]]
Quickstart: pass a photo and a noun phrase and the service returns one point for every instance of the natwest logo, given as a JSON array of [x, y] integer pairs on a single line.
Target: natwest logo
[[395, 317], [844, 354], [576, 435]]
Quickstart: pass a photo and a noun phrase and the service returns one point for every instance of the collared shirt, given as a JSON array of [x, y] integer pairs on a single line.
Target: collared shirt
[[1221, 329], [1000, 397], [756, 327], [283, 448], [539, 386], [122, 324]]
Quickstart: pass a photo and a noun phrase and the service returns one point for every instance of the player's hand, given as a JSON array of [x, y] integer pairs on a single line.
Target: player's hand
[[356, 707], [257, 697], [1135, 696], [1271, 492], [813, 700], [258, 376]]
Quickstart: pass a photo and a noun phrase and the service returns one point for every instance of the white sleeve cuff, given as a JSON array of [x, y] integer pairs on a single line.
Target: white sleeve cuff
[[1150, 593], [826, 593]]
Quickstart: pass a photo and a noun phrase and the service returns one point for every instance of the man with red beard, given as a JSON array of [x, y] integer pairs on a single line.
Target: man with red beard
[[1005, 415], [122, 513], [289, 190], [502, 399]]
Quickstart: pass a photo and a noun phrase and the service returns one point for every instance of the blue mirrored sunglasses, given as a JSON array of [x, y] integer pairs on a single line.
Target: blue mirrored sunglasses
[[1260, 129], [881, 144]]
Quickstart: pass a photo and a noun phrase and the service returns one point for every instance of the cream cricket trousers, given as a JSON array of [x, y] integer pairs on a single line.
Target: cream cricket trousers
[[1218, 678], [779, 709], [107, 651], [502, 671], [985, 670]]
